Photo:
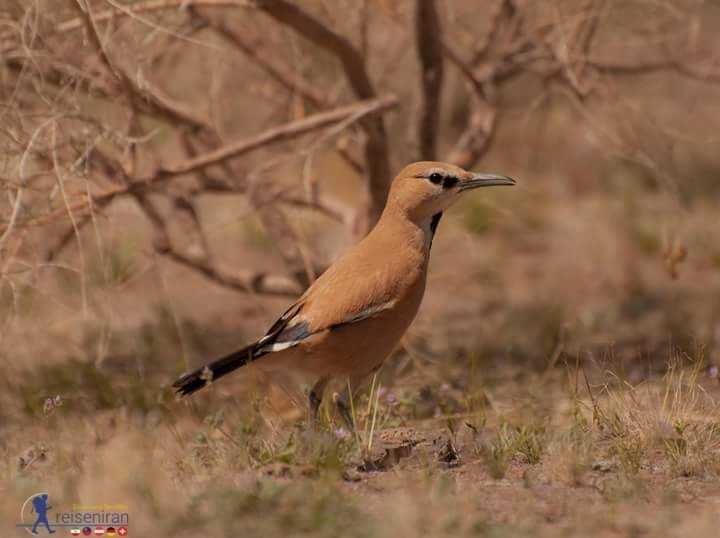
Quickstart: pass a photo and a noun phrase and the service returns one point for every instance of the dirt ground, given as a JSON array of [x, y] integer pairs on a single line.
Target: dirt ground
[[517, 453]]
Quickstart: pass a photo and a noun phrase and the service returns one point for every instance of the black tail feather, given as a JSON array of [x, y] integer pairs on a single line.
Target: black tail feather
[[192, 382]]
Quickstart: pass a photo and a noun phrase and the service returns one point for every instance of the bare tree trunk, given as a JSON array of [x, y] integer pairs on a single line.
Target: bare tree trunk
[[377, 154], [428, 39]]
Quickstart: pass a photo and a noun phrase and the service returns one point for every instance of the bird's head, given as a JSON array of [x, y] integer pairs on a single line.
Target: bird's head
[[426, 188]]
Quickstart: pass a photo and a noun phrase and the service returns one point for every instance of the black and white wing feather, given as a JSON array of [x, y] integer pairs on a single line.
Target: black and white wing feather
[[288, 331]]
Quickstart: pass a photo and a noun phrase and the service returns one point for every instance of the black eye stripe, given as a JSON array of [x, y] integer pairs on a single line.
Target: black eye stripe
[[437, 178]]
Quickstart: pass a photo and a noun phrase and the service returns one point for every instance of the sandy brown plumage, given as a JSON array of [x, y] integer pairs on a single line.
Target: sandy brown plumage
[[352, 317]]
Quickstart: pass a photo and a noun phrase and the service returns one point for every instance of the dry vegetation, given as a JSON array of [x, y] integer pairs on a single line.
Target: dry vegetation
[[174, 171]]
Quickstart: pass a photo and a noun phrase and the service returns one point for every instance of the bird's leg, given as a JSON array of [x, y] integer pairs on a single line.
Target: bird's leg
[[341, 402], [351, 389], [315, 398]]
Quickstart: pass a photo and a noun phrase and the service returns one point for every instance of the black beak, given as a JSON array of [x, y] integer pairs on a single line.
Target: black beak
[[485, 180]]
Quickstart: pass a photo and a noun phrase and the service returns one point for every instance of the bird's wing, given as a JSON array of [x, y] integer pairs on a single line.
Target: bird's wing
[[362, 284], [293, 327], [369, 312], [286, 332]]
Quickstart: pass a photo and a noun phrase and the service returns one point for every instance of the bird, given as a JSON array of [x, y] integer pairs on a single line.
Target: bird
[[352, 317]]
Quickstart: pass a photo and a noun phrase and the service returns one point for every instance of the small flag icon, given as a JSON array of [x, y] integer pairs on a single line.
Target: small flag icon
[[122, 531], [99, 531], [110, 531], [75, 532], [87, 531]]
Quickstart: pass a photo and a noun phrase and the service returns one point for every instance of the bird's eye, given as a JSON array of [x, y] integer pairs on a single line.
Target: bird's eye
[[435, 177]]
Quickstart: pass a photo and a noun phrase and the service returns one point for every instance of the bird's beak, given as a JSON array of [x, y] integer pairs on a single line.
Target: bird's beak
[[485, 180]]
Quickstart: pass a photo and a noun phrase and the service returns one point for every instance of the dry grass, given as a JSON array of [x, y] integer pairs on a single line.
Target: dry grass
[[533, 453]]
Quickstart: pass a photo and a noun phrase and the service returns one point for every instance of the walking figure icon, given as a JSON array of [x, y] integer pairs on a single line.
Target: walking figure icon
[[41, 507]]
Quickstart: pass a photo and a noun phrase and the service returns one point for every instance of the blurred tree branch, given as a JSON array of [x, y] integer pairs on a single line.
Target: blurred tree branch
[[240, 280], [281, 73], [230, 151], [148, 97], [110, 79], [139, 8], [377, 153]]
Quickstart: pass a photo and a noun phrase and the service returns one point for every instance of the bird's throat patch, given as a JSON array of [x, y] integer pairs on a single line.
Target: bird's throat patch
[[434, 223]]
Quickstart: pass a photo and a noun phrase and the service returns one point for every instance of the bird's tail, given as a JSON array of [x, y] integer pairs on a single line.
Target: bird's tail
[[192, 382]]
